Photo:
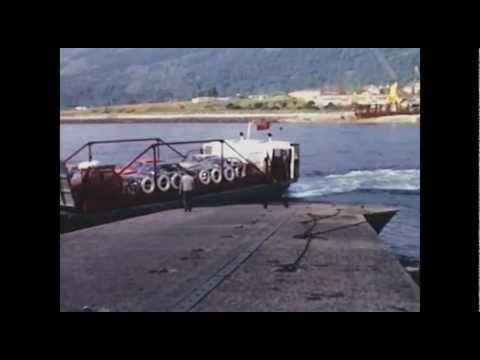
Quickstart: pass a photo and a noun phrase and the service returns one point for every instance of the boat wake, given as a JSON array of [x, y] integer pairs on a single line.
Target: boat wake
[[381, 180]]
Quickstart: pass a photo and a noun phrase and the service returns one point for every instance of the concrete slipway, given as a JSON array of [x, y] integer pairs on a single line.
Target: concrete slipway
[[308, 257]]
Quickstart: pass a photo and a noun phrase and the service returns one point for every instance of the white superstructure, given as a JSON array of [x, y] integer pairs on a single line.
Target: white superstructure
[[253, 150]]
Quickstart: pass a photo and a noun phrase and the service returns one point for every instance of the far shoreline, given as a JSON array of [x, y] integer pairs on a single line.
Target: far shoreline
[[237, 118]]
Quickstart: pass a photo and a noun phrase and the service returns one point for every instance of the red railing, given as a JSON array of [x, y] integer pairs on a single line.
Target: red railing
[[155, 147], [89, 145]]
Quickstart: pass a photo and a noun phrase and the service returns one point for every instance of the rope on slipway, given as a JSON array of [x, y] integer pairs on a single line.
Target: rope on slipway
[[310, 235]]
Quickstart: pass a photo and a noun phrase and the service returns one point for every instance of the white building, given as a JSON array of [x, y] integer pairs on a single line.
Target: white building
[[372, 89], [412, 89], [257, 97], [209, 99]]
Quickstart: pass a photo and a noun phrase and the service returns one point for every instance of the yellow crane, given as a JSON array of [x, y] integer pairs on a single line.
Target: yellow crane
[[393, 100]]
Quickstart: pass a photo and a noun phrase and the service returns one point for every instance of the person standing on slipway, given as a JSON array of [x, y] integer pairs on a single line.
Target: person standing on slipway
[[186, 189]]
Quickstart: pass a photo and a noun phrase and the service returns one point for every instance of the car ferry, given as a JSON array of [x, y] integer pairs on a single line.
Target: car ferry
[[225, 170]]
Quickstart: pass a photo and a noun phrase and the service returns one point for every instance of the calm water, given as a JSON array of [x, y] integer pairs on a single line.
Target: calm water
[[339, 163]]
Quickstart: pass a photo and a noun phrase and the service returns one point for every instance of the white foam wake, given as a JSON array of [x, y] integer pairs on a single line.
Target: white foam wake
[[382, 179]]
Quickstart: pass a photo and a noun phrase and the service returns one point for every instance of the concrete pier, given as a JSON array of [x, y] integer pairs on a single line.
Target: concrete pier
[[307, 257]]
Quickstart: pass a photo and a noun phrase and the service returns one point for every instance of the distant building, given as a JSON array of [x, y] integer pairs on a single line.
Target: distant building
[[412, 88], [416, 88], [322, 98], [257, 97], [199, 100], [81, 108], [372, 89]]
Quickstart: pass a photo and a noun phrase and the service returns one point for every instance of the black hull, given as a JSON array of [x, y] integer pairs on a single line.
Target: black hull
[[71, 221], [376, 114]]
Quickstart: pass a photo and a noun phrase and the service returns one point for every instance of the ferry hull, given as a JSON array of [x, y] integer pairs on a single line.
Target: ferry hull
[[260, 193], [376, 114]]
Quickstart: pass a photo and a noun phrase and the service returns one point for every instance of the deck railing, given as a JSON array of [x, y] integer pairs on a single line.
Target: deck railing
[[155, 147]]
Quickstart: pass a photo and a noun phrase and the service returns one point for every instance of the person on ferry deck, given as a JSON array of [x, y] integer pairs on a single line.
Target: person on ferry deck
[[286, 167], [267, 165], [185, 190]]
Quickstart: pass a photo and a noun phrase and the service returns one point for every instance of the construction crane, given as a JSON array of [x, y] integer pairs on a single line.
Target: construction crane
[[393, 100]]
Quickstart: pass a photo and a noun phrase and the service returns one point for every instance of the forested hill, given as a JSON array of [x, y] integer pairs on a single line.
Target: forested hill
[[92, 77]]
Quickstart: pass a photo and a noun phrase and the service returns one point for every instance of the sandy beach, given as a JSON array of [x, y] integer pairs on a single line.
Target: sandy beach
[[304, 117]]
